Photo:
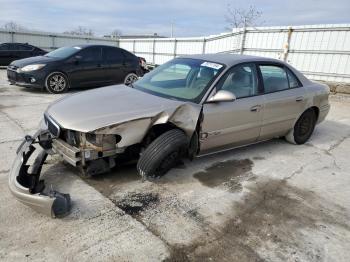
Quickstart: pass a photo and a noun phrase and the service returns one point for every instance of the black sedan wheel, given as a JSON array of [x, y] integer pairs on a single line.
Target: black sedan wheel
[[130, 78], [304, 127], [56, 83]]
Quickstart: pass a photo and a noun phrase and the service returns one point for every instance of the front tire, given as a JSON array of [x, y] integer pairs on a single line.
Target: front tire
[[303, 128], [162, 154], [130, 79], [56, 83]]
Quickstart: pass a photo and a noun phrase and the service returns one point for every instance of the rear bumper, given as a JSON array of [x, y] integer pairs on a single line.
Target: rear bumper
[[324, 110], [28, 188]]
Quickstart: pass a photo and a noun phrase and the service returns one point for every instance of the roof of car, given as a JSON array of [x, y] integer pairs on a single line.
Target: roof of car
[[230, 59], [87, 45]]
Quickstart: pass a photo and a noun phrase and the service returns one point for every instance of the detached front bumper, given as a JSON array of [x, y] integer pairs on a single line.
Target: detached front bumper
[[26, 186]]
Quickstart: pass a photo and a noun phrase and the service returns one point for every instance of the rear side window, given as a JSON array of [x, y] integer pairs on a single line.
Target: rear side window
[[91, 54], [113, 55], [129, 56], [24, 47], [274, 78], [4, 47], [293, 81]]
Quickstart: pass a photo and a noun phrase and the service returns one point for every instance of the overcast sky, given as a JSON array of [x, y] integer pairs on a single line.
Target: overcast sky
[[190, 17]]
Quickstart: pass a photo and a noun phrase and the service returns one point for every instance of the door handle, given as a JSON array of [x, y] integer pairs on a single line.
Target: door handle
[[255, 108], [299, 99]]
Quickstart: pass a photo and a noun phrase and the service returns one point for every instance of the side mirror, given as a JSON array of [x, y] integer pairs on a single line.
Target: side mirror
[[76, 59], [222, 96]]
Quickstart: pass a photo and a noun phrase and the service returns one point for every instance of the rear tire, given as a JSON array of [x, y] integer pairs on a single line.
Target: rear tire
[[130, 78], [303, 128], [56, 83], [162, 154]]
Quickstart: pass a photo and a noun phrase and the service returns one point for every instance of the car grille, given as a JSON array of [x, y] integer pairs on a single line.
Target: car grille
[[12, 75], [53, 128]]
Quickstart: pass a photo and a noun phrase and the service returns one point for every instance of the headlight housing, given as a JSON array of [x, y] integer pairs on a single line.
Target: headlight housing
[[32, 67]]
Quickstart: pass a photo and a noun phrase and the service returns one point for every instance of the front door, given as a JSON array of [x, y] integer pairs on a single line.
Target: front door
[[231, 124]]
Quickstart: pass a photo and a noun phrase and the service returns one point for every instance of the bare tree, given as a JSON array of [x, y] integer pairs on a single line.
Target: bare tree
[[239, 17], [81, 30], [13, 26], [116, 33]]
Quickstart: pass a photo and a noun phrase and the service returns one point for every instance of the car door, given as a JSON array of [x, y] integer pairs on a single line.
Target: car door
[[113, 60], [231, 124], [284, 100], [86, 67], [4, 55], [24, 51]]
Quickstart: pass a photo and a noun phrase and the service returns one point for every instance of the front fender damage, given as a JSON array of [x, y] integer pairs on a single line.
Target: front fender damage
[[184, 116], [25, 183]]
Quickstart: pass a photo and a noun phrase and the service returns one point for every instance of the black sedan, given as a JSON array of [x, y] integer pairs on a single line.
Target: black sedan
[[76, 66], [13, 51]]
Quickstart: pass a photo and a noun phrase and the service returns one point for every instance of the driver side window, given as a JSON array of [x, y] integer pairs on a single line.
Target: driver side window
[[241, 80]]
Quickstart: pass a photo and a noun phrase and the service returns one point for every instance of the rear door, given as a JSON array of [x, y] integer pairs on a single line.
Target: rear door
[[86, 69], [284, 100], [231, 124], [4, 54], [113, 61], [23, 51]]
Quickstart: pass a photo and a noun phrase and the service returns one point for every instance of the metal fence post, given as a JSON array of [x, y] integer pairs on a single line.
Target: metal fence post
[[133, 46], [175, 47], [243, 40], [53, 44], [12, 37], [287, 45], [154, 52], [204, 44]]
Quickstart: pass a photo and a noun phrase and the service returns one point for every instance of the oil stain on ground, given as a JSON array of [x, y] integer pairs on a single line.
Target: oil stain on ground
[[116, 178], [134, 203], [229, 174], [270, 225]]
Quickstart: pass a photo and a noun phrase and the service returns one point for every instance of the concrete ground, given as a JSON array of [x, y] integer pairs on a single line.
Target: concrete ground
[[268, 202]]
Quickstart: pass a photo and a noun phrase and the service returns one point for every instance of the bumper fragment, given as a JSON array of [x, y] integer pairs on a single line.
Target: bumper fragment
[[25, 183]]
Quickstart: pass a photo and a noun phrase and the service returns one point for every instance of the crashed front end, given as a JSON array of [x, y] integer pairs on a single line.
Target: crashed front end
[[95, 140], [25, 183]]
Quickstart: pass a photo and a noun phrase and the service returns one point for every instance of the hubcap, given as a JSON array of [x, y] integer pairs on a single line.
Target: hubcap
[[57, 83], [130, 79]]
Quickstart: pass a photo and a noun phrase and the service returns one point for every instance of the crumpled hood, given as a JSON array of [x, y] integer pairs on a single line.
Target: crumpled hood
[[113, 105]]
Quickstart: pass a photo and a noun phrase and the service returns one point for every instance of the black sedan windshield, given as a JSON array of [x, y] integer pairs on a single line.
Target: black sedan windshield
[[63, 52], [183, 79]]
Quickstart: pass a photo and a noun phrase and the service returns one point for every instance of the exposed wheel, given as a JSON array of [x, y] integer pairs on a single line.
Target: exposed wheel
[[303, 128], [56, 83], [130, 78], [162, 154]]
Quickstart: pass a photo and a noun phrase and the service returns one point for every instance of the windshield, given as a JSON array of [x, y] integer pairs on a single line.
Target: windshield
[[63, 52], [183, 79]]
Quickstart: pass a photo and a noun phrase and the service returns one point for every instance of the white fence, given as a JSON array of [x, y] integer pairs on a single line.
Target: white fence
[[51, 41], [322, 52]]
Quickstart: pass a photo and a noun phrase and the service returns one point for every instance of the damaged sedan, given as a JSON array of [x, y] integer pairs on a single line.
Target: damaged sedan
[[188, 107]]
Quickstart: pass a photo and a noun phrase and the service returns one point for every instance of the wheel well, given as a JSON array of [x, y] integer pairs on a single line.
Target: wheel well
[[316, 110], [156, 131]]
